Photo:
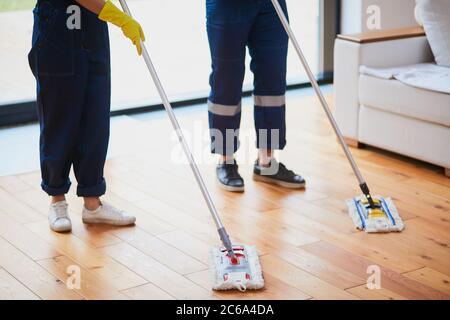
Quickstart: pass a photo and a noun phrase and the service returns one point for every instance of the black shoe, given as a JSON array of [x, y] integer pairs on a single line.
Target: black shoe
[[278, 174], [229, 177]]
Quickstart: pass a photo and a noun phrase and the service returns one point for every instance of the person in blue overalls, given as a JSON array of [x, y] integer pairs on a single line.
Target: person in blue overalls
[[70, 60], [232, 26]]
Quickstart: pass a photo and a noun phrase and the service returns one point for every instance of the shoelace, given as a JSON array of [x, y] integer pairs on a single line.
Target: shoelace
[[232, 170], [282, 170], [112, 209], [285, 171], [61, 210]]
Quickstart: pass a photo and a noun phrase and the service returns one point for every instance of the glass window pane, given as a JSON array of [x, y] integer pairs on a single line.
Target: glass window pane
[[176, 38]]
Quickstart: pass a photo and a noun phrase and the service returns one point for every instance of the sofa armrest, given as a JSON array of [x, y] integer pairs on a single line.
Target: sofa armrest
[[384, 35], [380, 49]]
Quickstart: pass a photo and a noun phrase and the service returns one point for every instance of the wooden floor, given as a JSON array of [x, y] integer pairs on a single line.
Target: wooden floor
[[308, 245]]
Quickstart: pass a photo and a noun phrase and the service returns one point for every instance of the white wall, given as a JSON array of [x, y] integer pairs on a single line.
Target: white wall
[[394, 14]]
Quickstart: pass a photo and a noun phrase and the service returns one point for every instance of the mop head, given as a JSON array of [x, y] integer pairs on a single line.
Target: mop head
[[243, 274], [383, 219]]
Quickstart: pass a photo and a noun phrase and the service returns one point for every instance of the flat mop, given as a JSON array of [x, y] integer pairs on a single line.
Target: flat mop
[[233, 266], [372, 214]]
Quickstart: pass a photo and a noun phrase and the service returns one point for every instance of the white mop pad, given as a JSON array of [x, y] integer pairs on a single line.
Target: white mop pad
[[245, 274], [390, 222]]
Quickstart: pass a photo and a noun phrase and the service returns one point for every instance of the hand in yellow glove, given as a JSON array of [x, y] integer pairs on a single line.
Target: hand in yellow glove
[[130, 27]]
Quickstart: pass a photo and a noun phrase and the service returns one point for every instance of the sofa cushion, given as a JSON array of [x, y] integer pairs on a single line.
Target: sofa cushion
[[396, 97], [435, 16], [422, 140], [428, 76]]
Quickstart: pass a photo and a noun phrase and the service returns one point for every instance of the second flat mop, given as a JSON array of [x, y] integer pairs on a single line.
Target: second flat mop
[[374, 215], [233, 267]]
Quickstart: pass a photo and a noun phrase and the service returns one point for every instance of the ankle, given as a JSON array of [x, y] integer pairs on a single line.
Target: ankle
[[265, 164], [92, 203], [56, 199], [265, 157], [226, 159]]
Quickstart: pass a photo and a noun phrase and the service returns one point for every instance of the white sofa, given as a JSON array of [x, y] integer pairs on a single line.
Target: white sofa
[[387, 113]]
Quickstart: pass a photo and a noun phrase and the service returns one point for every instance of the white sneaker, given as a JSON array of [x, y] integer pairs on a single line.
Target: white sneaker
[[107, 214], [58, 217]]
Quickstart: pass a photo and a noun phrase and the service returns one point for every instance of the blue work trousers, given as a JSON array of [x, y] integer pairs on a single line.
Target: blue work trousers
[[232, 26], [71, 63]]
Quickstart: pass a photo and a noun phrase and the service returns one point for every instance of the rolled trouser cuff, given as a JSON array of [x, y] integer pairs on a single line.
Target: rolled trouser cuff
[[56, 191], [92, 191]]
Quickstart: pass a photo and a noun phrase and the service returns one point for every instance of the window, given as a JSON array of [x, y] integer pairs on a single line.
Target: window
[[178, 44], [177, 41]]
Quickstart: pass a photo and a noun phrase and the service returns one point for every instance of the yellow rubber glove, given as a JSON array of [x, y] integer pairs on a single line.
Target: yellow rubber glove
[[130, 27]]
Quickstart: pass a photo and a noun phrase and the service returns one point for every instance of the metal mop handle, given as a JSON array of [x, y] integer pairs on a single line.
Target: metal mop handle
[[323, 101], [198, 177]]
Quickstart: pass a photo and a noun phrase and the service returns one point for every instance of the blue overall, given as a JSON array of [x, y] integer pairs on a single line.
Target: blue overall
[[72, 71], [232, 26]]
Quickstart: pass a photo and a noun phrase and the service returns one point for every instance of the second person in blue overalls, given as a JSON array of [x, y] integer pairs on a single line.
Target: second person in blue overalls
[[232, 26]]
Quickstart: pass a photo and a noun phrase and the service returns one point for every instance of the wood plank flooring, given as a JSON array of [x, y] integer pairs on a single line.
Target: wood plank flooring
[[308, 245]]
